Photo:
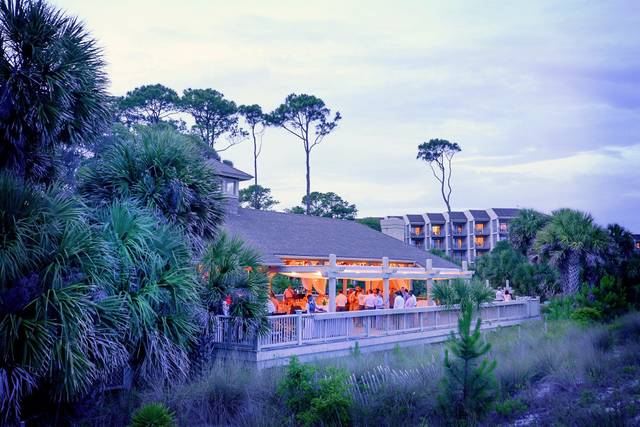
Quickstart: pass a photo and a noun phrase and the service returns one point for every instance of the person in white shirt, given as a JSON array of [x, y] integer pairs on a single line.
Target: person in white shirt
[[499, 295], [271, 308], [361, 298], [398, 302], [341, 301], [411, 301], [379, 299], [370, 301]]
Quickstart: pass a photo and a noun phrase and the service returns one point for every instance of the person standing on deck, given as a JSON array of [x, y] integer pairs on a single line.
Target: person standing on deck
[[411, 300], [398, 302], [379, 299], [361, 298], [341, 301], [370, 301], [353, 301]]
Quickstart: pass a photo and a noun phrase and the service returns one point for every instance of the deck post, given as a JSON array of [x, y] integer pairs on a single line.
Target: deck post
[[299, 326], [385, 281], [332, 283], [428, 266]]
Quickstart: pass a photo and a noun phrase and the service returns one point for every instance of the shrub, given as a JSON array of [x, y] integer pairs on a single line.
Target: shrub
[[315, 397], [586, 315], [468, 387], [510, 407], [153, 415], [559, 308], [607, 297], [462, 292]]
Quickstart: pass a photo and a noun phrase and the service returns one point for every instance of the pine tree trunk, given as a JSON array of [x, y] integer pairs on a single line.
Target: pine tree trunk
[[255, 159], [308, 211]]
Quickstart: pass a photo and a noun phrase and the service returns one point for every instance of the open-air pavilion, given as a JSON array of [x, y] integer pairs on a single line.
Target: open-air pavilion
[[326, 253]]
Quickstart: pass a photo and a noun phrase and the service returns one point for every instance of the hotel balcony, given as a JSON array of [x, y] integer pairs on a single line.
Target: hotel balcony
[[419, 235], [484, 246], [457, 233], [481, 232]]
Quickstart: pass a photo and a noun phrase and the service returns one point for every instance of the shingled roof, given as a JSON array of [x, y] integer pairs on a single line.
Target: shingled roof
[[415, 219], [506, 212], [276, 234], [436, 218], [479, 214], [227, 170], [458, 216]]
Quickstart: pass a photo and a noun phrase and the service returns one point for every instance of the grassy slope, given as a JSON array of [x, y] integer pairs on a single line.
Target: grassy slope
[[557, 373]]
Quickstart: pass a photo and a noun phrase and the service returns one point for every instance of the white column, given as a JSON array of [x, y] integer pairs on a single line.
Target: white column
[[429, 268], [332, 283], [385, 281]]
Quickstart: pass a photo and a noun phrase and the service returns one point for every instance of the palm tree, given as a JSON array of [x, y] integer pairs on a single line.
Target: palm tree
[[230, 268], [164, 171], [52, 87], [524, 227], [152, 272], [58, 331], [571, 241]]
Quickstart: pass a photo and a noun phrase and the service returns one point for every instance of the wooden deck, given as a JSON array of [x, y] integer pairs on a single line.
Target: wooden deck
[[310, 336]]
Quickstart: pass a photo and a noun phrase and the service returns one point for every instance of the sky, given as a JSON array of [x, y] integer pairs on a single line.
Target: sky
[[543, 97]]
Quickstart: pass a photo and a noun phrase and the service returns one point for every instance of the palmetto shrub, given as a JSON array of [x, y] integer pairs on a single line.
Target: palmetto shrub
[[462, 292], [57, 329], [153, 274], [153, 415], [163, 171]]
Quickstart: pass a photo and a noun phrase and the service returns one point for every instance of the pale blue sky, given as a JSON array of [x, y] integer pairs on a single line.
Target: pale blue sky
[[543, 97]]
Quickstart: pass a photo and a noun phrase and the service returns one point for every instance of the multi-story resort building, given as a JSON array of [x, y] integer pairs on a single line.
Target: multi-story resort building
[[462, 235]]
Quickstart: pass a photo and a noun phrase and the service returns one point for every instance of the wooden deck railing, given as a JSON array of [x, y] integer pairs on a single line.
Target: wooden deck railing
[[303, 329]]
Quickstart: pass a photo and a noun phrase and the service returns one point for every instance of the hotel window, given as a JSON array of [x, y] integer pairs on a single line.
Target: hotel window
[[459, 243], [436, 230], [637, 245], [459, 228], [504, 227], [479, 241], [417, 230], [479, 227]]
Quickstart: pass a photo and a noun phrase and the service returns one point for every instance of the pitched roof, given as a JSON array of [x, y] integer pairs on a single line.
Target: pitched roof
[[506, 212], [415, 219], [479, 214], [436, 218], [228, 171], [276, 234], [456, 215]]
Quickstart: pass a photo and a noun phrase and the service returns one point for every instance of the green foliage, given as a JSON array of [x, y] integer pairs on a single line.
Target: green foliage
[[510, 407], [505, 263], [471, 294], [52, 87], [164, 171], [316, 397], [229, 267], [152, 272], [327, 205], [56, 329], [573, 243], [442, 254], [586, 315], [524, 227], [153, 415], [371, 222], [214, 116], [257, 197], [148, 104], [608, 297], [468, 387], [559, 308]]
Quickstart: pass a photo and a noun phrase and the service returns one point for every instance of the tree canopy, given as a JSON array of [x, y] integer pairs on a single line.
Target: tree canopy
[[148, 104], [327, 205], [257, 197], [524, 227], [214, 116]]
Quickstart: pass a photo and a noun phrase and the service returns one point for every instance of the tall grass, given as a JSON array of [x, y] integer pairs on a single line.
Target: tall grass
[[554, 373]]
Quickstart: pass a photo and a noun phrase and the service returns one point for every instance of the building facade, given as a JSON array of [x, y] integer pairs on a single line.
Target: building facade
[[462, 235]]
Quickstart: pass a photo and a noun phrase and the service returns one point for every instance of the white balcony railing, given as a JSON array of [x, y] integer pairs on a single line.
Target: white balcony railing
[[304, 329]]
